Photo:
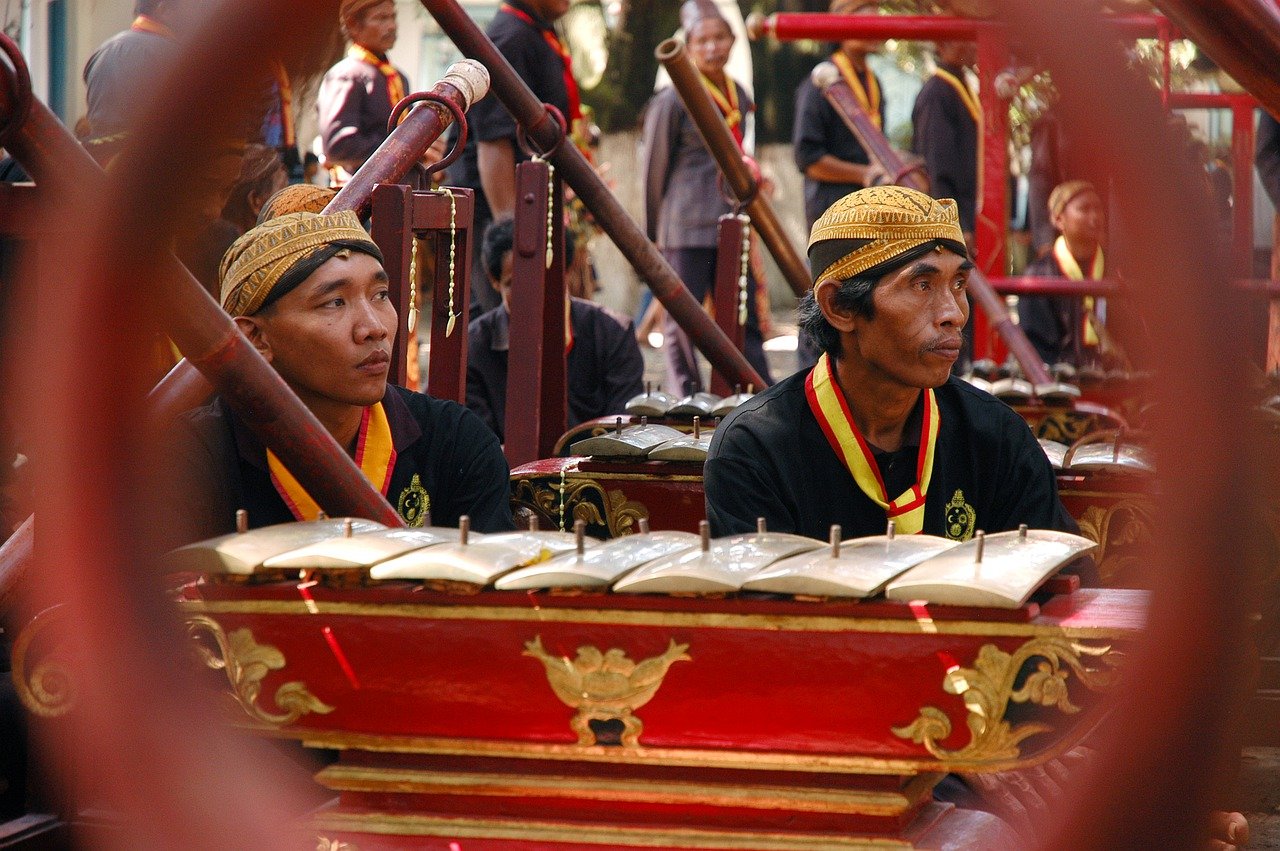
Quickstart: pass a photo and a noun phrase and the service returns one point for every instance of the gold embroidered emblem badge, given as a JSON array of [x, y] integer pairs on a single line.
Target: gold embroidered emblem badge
[[414, 503], [961, 518]]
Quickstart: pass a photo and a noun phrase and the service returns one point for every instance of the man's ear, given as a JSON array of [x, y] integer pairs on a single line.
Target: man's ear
[[840, 318], [252, 329]]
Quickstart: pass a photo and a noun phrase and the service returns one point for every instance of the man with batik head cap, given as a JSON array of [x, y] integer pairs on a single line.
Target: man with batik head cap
[[879, 430], [357, 94], [309, 292], [1064, 329]]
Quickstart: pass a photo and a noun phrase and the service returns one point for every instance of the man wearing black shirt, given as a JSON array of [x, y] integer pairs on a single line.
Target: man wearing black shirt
[[309, 292], [946, 126], [878, 430], [522, 31], [603, 364]]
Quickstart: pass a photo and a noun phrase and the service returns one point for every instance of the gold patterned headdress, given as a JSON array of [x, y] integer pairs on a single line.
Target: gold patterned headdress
[[296, 198], [351, 10], [876, 225], [1064, 193], [256, 264]]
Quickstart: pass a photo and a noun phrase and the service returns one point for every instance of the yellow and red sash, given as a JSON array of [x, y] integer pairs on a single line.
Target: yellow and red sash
[[869, 95], [285, 87], [375, 456], [974, 107], [395, 85], [832, 413], [145, 24], [727, 103], [570, 84], [1067, 263]]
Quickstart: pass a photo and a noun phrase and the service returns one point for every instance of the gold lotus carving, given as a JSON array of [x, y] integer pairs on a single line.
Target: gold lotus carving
[[605, 686], [247, 663], [582, 499], [48, 689], [991, 685], [1117, 529]]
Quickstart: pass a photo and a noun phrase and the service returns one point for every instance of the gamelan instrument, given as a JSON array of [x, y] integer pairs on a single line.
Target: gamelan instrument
[[809, 709]]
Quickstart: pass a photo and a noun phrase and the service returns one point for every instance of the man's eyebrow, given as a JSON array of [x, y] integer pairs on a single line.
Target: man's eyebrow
[[330, 286], [923, 267], [966, 266]]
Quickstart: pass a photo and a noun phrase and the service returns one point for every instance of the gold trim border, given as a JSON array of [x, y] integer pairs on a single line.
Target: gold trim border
[[670, 757], [631, 617], [344, 778], [392, 824]]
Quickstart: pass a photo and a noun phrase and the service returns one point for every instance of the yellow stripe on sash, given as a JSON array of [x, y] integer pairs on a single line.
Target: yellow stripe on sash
[[375, 456]]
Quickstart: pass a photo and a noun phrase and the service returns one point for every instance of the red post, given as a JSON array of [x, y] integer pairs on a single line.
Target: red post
[[726, 292], [390, 230], [536, 385], [991, 237], [450, 212]]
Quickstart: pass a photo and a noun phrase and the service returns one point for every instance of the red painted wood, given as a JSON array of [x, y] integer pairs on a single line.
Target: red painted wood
[[725, 293]]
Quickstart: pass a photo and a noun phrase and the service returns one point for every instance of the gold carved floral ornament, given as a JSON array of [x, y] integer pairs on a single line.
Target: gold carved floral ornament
[[605, 686], [1118, 528], [48, 688], [992, 684], [570, 500], [247, 664]]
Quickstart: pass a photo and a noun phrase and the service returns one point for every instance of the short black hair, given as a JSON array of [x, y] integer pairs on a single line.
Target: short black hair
[[500, 239]]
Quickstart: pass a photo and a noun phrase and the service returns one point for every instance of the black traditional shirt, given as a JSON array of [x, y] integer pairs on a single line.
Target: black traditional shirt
[[1053, 323], [820, 130], [541, 68], [447, 464], [946, 137], [354, 106], [604, 367], [771, 459]]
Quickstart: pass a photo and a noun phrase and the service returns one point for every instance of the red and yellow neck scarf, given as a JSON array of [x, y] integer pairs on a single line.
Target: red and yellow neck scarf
[[395, 85], [727, 102], [145, 24], [1067, 263], [549, 36], [869, 95], [375, 456], [832, 412]]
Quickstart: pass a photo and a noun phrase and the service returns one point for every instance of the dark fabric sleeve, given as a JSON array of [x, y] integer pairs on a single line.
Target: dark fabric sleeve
[[808, 138], [661, 131], [481, 478], [489, 120], [1039, 322], [479, 392], [937, 140], [738, 488], [1038, 316], [624, 372], [341, 104], [1267, 156]]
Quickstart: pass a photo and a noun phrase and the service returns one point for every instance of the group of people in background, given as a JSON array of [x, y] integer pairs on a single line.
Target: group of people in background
[[682, 196]]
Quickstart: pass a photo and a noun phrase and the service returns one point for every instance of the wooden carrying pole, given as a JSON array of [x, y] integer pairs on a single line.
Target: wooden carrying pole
[[724, 148], [826, 76], [463, 84], [548, 135]]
